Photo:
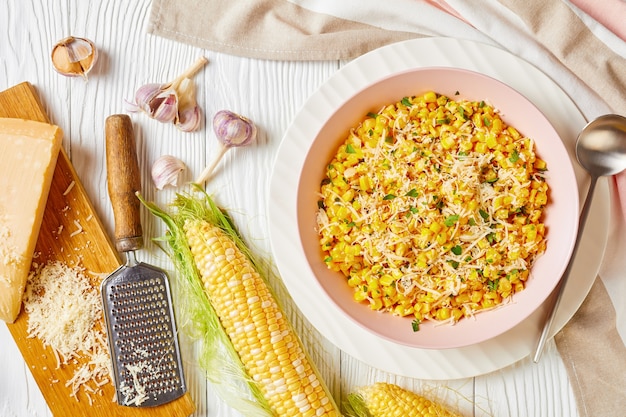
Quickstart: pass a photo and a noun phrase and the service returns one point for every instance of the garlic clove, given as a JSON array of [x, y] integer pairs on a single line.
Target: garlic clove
[[156, 102], [166, 171], [164, 107], [189, 119], [74, 57], [186, 92], [145, 94]]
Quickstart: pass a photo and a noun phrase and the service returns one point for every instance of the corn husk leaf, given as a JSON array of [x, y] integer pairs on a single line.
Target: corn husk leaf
[[217, 356], [355, 406]]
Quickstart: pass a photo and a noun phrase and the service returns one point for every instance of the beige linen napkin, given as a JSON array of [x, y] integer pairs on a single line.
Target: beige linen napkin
[[591, 348], [594, 355], [266, 29], [555, 35]]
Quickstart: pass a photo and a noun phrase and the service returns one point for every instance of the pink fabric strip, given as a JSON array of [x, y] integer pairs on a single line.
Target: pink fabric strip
[[443, 5], [610, 13]]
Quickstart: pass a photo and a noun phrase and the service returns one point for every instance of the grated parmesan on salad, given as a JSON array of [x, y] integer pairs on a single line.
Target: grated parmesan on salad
[[433, 208]]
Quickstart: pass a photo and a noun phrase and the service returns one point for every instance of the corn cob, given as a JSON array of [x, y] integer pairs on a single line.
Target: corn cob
[[389, 400], [269, 350], [260, 333]]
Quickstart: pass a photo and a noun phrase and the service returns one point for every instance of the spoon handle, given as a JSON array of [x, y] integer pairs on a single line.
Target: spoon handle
[[553, 308]]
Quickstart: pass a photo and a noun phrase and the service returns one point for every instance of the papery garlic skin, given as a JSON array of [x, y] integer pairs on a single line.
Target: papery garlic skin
[[74, 57], [166, 171], [233, 129]]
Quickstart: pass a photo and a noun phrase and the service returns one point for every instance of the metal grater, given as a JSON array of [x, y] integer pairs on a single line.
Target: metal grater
[[143, 341]]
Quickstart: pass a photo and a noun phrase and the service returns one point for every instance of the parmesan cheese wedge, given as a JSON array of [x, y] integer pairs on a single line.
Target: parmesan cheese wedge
[[28, 155]]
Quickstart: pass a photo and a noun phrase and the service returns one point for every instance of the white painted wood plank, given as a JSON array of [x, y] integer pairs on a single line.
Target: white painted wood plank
[[527, 389], [19, 393]]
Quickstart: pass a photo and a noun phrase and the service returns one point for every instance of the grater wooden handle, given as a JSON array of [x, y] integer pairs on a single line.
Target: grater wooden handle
[[123, 180]]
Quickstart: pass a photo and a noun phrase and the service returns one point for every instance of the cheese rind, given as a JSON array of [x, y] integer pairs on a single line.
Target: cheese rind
[[28, 155]]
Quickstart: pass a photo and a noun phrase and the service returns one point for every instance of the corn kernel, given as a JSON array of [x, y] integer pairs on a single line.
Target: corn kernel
[[481, 147], [491, 141], [430, 97], [447, 142]]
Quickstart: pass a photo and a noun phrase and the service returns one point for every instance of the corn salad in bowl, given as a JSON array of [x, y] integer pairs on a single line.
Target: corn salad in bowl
[[437, 208], [433, 209]]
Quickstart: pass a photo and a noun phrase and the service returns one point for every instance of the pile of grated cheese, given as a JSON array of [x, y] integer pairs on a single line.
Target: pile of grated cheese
[[65, 312]]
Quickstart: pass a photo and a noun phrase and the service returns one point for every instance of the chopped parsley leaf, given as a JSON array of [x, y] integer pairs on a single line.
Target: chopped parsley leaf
[[453, 264], [415, 324], [451, 220], [493, 285]]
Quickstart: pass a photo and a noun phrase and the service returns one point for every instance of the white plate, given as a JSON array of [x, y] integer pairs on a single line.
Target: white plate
[[324, 315]]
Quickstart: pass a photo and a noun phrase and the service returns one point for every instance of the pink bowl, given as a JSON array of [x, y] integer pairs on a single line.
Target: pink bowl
[[561, 216]]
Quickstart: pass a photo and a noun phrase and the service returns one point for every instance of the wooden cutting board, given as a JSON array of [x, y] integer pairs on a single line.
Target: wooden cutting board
[[69, 210]]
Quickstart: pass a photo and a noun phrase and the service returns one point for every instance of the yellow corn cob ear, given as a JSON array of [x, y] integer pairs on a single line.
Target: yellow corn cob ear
[[389, 400], [269, 349], [248, 349]]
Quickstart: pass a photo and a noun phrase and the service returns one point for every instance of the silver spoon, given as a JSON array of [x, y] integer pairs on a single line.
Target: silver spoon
[[601, 150]]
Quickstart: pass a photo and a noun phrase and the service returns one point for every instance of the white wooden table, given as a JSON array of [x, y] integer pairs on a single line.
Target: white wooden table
[[268, 92]]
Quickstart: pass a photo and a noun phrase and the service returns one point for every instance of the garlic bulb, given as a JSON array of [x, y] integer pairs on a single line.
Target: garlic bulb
[[166, 171], [172, 102], [74, 57], [231, 130]]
